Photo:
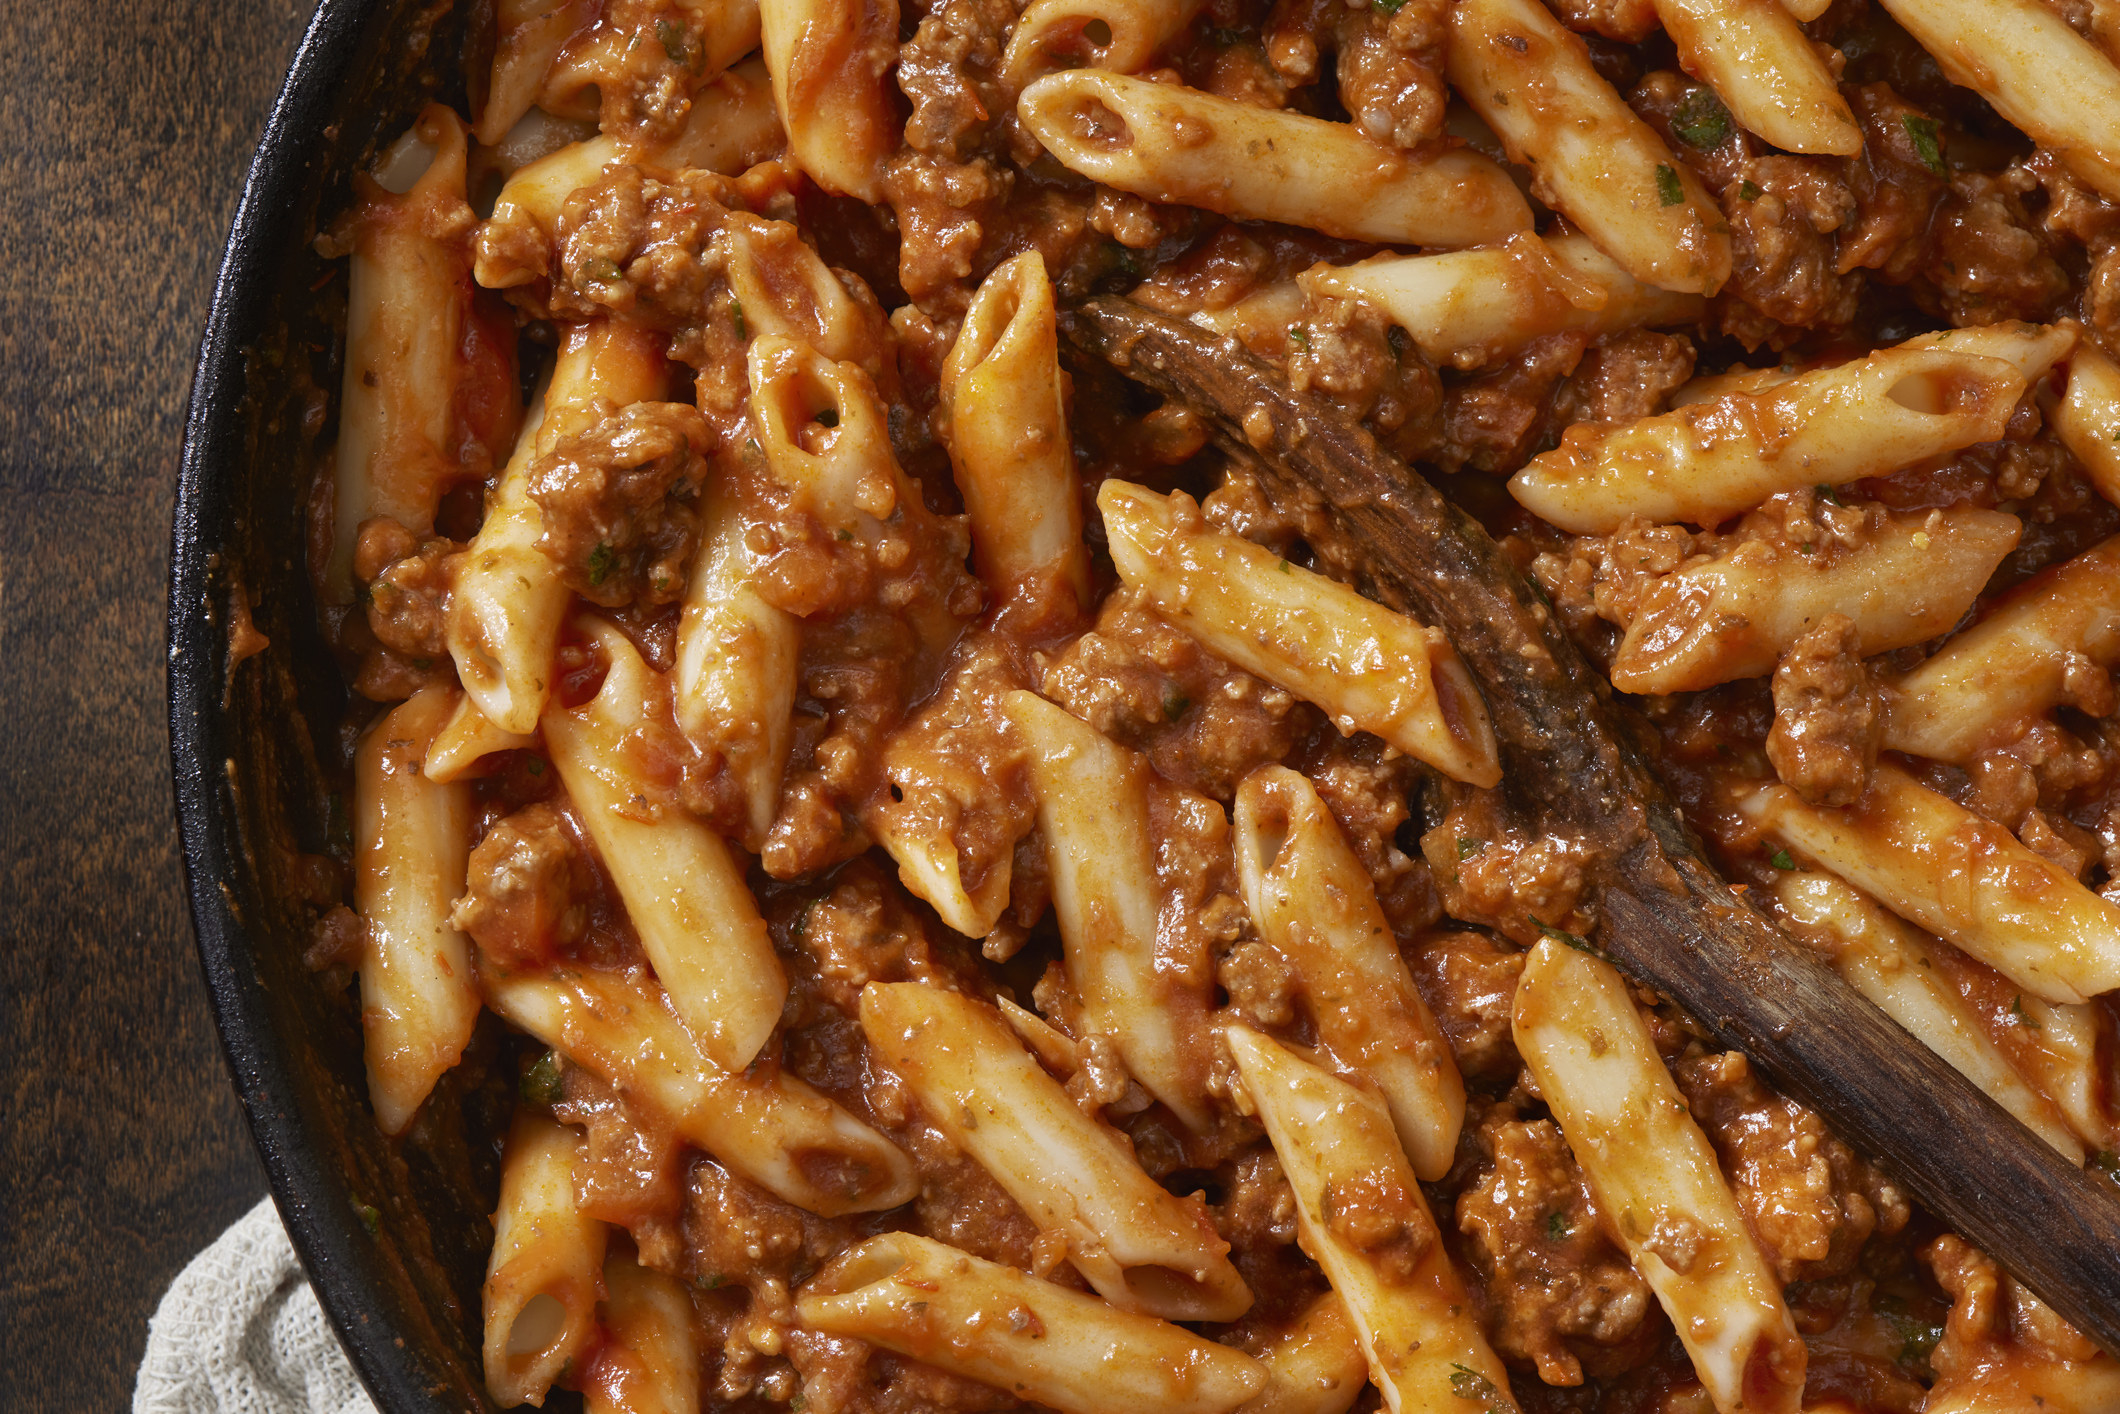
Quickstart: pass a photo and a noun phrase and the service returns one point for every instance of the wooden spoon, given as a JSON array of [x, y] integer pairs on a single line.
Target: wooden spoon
[[1575, 765]]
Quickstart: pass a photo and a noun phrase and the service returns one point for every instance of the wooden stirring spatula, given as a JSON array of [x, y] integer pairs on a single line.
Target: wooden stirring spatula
[[1574, 766]]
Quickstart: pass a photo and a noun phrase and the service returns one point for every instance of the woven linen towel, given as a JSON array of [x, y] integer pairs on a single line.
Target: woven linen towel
[[240, 1332]]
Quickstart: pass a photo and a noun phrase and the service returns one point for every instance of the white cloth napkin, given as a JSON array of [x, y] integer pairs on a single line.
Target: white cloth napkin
[[240, 1332]]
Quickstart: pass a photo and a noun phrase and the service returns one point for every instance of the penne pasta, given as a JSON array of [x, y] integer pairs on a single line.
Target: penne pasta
[[831, 61], [465, 741], [1065, 34], [545, 1274], [1705, 462], [412, 843], [984, 1321], [1178, 145], [1655, 1178], [1733, 616], [1963, 878], [1893, 966], [1469, 308], [683, 890], [2086, 417], [509, 602], [2041, 75], [649, 1361], [1369, 668], [736, 670], [730, 126], [1141, 1247], [1005, 403], [1316, 1366], [1762, 66], [1093, 815], [2053, 634], [709, 37], [1592, 159], [1360, 1215], [765, 1125], [528, 37], [1310, 897], [408, 299]]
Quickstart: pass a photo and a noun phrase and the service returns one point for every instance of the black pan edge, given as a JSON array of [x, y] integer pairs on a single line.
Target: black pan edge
[[390, 1283]]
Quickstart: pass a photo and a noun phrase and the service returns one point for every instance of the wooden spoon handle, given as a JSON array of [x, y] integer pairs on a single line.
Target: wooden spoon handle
[[1576, 764]]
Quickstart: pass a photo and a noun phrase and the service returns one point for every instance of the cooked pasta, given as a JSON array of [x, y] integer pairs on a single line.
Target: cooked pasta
[[989, 902]]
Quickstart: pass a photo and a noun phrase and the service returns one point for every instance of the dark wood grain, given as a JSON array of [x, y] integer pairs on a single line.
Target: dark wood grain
[[1575, 766], [121, 1149]]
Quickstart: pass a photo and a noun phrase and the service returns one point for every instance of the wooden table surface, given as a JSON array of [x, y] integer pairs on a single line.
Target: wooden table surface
[[122, 1152]]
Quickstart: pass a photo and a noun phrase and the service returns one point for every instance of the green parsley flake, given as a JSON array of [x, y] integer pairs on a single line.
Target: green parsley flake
[[1468, 1383], [673, 40], [1701, 119], [828, 418], [1467, 846], [1827, 493], [1922, 132], [1668, 189], [1174, 703], [541, 1082], [1557, 1228], [1782, 860], [743, 330], [1387, 7], [1299, 336], [370, 1218], [1562, 935], [601, 559], [1748, 190]]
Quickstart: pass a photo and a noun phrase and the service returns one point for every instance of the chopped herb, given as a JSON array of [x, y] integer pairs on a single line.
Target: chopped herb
[[1827, 493], [1668, 189], [1557, 1228], [1174, 703], [1299, 336], [1224, 38], [673, 41], [370, 1218], [1782, 860], [536, 767], [743, 330], [1467, 847], [1468, 1383], [1922, 131], [1284, 567], [1562, 935], [2023, 1018], [711, 1281], [751, 445], [423, 664], [1748, 190], [1701, 119], [828, 418], [601, 559], [802, 921], [541, 1082], [1807, 547], [2108, 1163], [1387, 7], [1400, 342], [844, 534], [602, 270], [799, 1403]]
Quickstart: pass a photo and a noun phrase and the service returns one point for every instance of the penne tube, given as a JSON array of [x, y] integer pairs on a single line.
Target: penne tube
[[1963, 878], [737, 665], [2022, 57], [1733, 616], [1093, 815], [408, 299], [465, 740], [1991, 681], [1592, 159], [1260, 321], [2027, 1382], [719, 33], [1310, 897], [1369, 668], [683, 890], [1469, 308], [1761, 64], [545, 1274], [649, 1361], [1005, 402], [528, 37], [1316, 1366], [830, 61], [2064, 1051], [1806, 10], [2086, 417], [1178, 145], [1055, 1049], [1705, 462], [784, 289], [1360, 1215], [1006, 1328], [1710, 386], [1062, 34], [763, 1124], [509, 603], [1142, 1247], [1655, 1178], [730, 126], [1893, 965], [412, 845]]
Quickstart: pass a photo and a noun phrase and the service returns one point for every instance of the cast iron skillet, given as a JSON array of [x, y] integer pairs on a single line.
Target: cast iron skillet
[[393, 1234]]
